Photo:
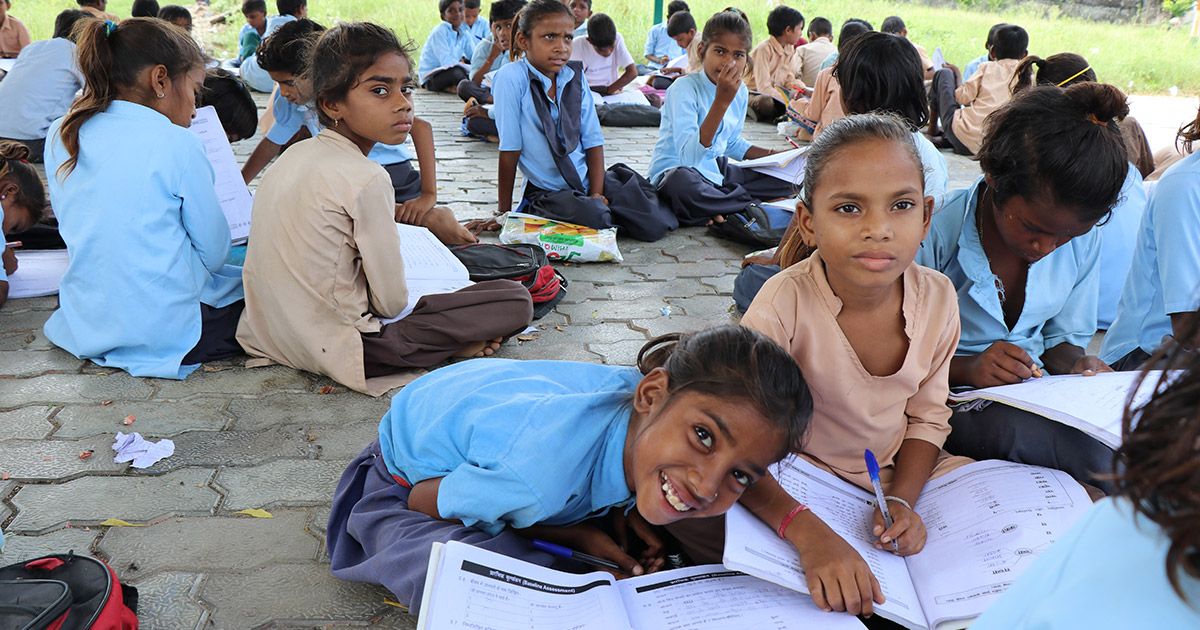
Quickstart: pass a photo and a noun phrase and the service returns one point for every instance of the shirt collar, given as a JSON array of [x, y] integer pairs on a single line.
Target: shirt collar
[[609, 485], [564, 76], [908, 306], [129, 109]]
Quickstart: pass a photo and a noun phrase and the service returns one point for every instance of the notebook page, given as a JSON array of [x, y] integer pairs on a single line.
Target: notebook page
[[426, 258], [477, 588], [775, 159], [986, 523], [753, 547], [38, 273], [232, 192], [711, 597]]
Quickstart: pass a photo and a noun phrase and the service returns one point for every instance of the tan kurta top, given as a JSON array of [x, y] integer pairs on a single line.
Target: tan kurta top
[[826, 104], [807, 60], [854, 410], [100, 14], [323, 262], [986, 91], [13, 37], [771, 69], [695, 61]]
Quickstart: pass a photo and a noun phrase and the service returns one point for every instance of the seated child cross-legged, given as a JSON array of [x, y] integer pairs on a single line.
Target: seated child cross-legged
[[1021, 248], [490, 55], [323, 264], [772, 80], [701, 130], [607, 64], [448, 45], [494, 452], [960, 108], [22, 202]]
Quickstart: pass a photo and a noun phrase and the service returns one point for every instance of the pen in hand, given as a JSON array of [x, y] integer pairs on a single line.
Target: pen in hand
[[873, 470], [564, 552]]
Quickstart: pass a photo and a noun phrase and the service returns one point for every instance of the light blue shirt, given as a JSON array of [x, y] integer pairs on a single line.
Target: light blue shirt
[[1118, 239], [1060, 290], [937, 176], [480, 54], [479, 30], [147, 239], [1165, 275], [687, 103], [973, 66], [516, 443], [581, 30], [659, 44], [520, 127], [445, 47], [290, 118], [829, 61], [39, 89], [1108, 572], [275, 21]]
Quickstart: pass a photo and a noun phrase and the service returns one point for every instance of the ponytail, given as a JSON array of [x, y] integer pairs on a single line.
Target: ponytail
[[1060, 70], [528, 17], [31, 195], [1188, 134], [1023, 77], [110, 56]]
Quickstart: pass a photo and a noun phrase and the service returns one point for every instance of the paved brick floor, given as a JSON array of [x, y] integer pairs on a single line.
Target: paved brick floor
[[278, 439]]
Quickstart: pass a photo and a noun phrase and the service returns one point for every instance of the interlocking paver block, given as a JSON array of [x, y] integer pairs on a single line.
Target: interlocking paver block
[[251, 598], [151, 418], [18, 548], [57, 459], [283, 481], [71, 388], [33, 362], [254, 414], [26, 423], [267, 380], [619, 352], [167, 602]]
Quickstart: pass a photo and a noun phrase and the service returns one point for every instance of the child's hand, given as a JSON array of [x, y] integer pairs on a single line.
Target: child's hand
[[729, 79], [601, 198], [838, 578], [671, 71], [413, 211], [907, 529], [1001, 364], [651, 554], [475, 111], [613, 90], [1090, 365], [591, 540], [664, 60], [10, 260], [498, 49]]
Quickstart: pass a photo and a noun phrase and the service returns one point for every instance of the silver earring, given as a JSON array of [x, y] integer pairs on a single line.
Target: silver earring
[[336, 123], [161, 95]]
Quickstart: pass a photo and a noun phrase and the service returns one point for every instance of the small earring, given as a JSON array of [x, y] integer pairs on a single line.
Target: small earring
[[161, 95], [337, 122]]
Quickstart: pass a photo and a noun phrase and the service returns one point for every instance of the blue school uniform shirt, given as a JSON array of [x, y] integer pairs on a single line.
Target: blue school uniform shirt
[[937, 176], [1107, 572], [687, 103], [1060, 291], [478, 31], [290, 118], [973, 66], [581, 30], [516, 443], [1165, 275], [147, 238], [275, 21], [520, 127], [445, 47], [480, 54], [1118, 240], [659, 44]]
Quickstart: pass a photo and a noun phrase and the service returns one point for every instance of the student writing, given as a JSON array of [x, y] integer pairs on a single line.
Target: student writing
[[772, 81], [22, 203], [660, 47], [960, 108], [806, 61], [607, 64]]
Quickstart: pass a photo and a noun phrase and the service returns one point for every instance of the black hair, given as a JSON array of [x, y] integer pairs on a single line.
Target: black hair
[[845, 132], [87, 3], [589, 3], [680, 23], [1010, 42], [850, 29], [234, 104], [892, 25], [286, 50], [14, 167], [254, 6], [173, 12], [470, 4], [504, 10], [602, 31], [445, 4], [782, 18], [820, 26], [882, 72], [991, 36], [290, 7], [729, 21], [675, 6], [1061, 142], [64, 23], [343, 53], [528, 17], [144, 8], [736, 363], [1062, 70]]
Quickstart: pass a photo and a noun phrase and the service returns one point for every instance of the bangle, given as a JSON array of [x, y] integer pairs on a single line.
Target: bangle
[[898, 500], [787, 520]]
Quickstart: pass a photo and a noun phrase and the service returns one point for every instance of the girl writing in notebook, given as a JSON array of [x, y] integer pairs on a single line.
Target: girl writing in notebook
[[701, 130], [495, 452], [22, 202], [323, 265], [147, 289]]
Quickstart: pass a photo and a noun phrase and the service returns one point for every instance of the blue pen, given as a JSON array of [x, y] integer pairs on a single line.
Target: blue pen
[[873, 470], [563, 552]]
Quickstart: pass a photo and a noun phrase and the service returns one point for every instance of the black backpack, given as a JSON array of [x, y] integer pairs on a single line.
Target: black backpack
[[522, 262], [65, 592]]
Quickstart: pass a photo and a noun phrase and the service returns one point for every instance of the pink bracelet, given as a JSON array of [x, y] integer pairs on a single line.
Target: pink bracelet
[[787, 520]]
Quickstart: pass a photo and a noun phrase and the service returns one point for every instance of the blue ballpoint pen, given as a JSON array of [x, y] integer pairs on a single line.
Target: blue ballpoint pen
[[873, 470], [564, 552]]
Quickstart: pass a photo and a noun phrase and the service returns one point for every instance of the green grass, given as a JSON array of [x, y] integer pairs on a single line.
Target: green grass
[[1137, 58]]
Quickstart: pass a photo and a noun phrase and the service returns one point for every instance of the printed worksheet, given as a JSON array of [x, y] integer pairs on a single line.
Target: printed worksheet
[[38, 273], [232, 192], [430, 268]]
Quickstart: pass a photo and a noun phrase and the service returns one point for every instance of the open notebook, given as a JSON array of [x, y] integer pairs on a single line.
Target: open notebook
[[232, 192], [788, 165], [986, 523], [469, 587], [38, 273], [1092, 404], [429, 267]]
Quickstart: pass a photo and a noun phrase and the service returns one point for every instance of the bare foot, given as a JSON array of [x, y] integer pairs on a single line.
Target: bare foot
[[720, 218], [479, 349], [440, 220], [483, 225]]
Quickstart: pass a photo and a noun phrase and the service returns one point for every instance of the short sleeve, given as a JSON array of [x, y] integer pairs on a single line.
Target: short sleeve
[[1076, 322], [507, 96], [764, 314], [489, 499], [288, 121], [479, 56], [1176, 207], [927, 413], [590, 134], [624, 59]]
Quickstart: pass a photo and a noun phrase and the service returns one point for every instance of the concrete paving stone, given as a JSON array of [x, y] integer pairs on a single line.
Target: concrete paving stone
[[256, 414], [44, 460], [572, 351], [655, 327], [722, 284], [285, 482], [22, 320], [18, 548], [701, 269], [710, 249], [582, 291], [596, 312], [22, 363], [319, 520], [266, 380], [682, 287], [618, 352], [47, 303], [71, 388], [639, 253], [247, 448], [600, 274], [167, 601], [94, 499], [254, 598], [204, 544], [24, 340], [157, 418], [708, 304], [26, 423], [609, 332]]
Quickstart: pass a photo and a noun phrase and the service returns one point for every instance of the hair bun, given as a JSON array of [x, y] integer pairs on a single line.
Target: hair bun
[[13, 151], [1100, 100]]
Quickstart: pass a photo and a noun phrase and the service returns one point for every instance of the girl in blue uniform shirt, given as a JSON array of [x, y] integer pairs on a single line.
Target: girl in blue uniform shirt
[[147, 289], [493, 452], [701, 130], [449, 44], [22, 201], [1020, 247]]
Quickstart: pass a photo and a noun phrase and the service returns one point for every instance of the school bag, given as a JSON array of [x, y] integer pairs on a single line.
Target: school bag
[[628, 115], [757, 225], [65, 592], [521, 262]]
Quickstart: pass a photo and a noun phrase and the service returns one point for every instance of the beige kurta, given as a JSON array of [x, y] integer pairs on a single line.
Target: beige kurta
[[986, 91], [13, 37], [807, 60], [695, 61], [324, 261], [854, 410], [100, 14], [771, 67], [826, 104]]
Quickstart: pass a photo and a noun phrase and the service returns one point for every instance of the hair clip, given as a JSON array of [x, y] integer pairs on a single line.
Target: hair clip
[[110, 27], [1072, 77]]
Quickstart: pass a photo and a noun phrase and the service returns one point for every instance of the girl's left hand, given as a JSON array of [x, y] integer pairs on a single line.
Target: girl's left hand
[[413, 211], [651, 557], [10, 260], [1090, 365], [907, 529], [601, 198]]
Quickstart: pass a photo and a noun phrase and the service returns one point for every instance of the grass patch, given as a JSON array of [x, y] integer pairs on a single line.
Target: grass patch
[[1137, 58]]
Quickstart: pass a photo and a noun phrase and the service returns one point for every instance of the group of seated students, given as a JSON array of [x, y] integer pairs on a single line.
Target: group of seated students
[[887, 289]]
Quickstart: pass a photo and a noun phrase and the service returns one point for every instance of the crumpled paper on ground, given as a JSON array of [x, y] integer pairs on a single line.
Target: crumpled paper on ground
[[142, 452]]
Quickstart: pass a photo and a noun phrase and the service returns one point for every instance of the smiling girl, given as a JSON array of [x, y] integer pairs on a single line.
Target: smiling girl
[[494, 452]]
